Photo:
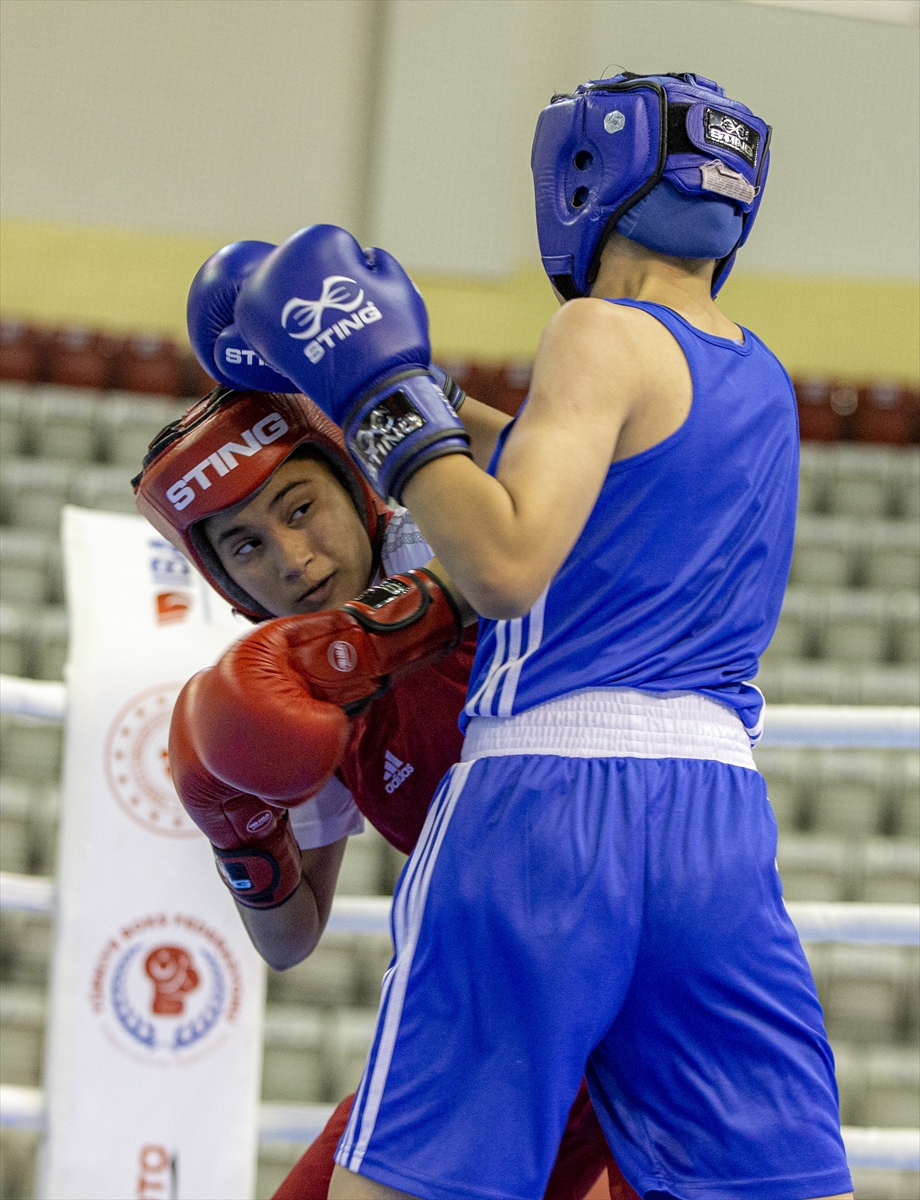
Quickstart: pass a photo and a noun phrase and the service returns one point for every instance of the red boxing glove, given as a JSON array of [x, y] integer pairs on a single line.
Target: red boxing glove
[[274, 708], [257, 854]]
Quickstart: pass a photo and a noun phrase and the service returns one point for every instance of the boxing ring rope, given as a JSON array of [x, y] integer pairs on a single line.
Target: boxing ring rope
[[786, 725]]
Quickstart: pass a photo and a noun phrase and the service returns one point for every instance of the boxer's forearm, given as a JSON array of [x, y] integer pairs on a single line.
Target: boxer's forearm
[[483, 423], [286, 935]]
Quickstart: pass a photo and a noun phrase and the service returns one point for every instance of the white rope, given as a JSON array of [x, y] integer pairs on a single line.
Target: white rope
[[886, 924], [33, 698], [841, 725], [890, 924], [24, 1108], [785, 724]]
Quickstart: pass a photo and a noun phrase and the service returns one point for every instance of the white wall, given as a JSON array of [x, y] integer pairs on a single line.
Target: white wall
[[410, 120], [210, 116]]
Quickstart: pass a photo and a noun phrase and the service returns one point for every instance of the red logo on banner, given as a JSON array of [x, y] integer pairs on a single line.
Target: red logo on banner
[[196, 993], [172, 974], [137, 763], [172, 606]]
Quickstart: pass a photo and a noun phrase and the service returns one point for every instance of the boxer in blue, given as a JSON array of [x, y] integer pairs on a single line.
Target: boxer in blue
[[595, 881]]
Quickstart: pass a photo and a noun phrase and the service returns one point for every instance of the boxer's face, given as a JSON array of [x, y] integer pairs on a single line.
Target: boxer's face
[[298, 545]]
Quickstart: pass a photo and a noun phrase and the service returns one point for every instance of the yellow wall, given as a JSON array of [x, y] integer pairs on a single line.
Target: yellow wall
[[123, 280]]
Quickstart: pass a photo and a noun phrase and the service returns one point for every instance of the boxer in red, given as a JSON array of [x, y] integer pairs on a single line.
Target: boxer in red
[[258, 490]]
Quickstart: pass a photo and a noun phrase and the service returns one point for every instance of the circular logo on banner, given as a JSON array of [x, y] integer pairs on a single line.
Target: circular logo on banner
[[137, 763], [166, 987]]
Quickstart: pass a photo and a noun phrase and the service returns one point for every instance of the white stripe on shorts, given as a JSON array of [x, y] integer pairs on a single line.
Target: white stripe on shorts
[[408, 911], [616, 723]]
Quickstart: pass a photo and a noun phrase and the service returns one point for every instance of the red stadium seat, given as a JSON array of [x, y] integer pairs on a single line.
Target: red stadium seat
[[887, 413], [80, 357], [196, 382], [22, 352], [151, 365], [818, 421]]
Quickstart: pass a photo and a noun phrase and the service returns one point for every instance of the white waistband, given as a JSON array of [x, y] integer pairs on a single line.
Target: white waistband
[[616, 723]]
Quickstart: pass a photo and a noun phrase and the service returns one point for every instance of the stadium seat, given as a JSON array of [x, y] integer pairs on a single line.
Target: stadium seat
[[81, 358], [349, 1035], [128, 425], [22, 351], [363, 866], [12, 399], [22, 1019], [15, 832], [34, 491], [815, 868], [328, 977], [30, 749], [149, 364], [26, 940], [63, 422], [26, 566], [293, 1062], [107, 488], [891, 871], [15, 651], [850, 799], [818, 421], [864, 994]]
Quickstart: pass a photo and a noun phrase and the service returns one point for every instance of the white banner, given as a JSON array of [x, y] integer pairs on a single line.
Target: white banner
[[155, 1029]]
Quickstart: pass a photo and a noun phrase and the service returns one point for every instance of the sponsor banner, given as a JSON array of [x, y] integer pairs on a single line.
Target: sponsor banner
[[155, 1030]]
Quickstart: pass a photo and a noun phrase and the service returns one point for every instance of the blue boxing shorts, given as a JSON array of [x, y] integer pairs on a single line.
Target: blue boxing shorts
[[616, 915]]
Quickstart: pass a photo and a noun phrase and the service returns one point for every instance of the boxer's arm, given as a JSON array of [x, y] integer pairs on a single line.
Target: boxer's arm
[[483, 423], [601, 369], [288, 934]]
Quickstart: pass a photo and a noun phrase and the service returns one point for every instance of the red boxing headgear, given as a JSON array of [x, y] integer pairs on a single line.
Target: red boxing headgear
[[219, 453]]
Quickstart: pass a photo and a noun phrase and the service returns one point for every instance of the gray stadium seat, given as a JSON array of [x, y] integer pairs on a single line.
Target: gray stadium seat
[[29, 567], [363, 867], [328, 977], [15, 651], [15, 831], [891, 871], [11, 404], [815, 868], [30, 749], [22, 1019], [864, 993], [107, 488], [850, 798], [128, 425], [34, 490], [293, 1063], [350, 1032], [63, 422]]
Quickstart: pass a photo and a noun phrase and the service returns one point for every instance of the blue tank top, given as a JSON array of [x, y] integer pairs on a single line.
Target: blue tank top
[[677, 579]]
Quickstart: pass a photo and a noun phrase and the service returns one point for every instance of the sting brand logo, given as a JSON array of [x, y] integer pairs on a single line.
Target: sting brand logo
[[223, 461], [719, 129], [307, 315]]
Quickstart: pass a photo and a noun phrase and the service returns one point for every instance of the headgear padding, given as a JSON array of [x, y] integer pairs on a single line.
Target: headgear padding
[[223, 450], [667, 160]]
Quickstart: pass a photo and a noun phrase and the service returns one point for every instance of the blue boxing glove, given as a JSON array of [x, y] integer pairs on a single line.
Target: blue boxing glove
[[350, 328], [217, 342]]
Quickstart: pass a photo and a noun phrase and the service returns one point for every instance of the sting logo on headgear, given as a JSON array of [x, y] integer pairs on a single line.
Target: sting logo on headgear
[[223, 461], [719, 129]]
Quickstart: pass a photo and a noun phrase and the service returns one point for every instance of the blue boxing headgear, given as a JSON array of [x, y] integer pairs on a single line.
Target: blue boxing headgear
[[667, 160]]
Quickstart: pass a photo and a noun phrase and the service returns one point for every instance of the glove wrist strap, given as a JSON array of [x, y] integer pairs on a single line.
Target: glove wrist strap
[[400, 426]]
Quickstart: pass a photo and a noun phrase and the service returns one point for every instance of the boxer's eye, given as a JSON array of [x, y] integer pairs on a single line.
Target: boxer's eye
[[245, 548]]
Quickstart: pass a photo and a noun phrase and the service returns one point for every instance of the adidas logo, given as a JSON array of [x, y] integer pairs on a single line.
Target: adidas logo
[[395, 772]]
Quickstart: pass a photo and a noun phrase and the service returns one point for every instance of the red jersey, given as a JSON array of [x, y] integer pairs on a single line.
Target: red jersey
[[404, 744]]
